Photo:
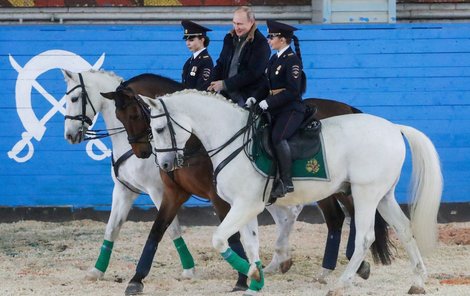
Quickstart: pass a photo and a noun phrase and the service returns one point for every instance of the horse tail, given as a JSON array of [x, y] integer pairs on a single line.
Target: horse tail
[[381, 247], [426, 184]]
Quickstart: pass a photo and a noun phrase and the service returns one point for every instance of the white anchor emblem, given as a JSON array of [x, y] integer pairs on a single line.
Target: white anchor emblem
[[26, 81]]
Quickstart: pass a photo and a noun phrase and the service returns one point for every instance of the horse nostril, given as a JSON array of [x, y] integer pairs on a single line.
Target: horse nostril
[[165, 166]]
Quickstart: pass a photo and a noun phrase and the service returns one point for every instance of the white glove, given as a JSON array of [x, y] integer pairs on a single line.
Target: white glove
[[263, 104], [250, 102]]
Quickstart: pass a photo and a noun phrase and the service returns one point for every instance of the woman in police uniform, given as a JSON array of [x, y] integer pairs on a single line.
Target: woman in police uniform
[[197, 69], [284, 102]]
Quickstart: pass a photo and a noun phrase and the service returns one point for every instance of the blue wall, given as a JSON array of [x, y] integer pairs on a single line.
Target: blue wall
[[411, 74]]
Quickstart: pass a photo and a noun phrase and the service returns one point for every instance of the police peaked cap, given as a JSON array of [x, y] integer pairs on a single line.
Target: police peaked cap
[[280, 29], [191, 29]]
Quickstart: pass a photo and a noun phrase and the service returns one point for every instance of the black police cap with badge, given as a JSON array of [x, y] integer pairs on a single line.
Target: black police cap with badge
[[191, 30], [277, 29]]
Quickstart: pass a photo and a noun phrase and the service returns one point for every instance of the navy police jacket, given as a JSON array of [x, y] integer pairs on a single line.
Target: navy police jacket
[[252, 63], [285, 83], [197, 72]]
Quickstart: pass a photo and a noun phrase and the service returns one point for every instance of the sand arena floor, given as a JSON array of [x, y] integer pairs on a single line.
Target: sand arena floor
[[39, 258]]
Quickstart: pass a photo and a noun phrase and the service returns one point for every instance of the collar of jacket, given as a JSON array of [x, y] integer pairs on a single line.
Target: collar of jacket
[[251, 34]]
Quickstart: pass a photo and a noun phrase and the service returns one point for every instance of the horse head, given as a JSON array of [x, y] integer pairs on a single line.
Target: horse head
[[81, 107], [170, 134], [134, 114]]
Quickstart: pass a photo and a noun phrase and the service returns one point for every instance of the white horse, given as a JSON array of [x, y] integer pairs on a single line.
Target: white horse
[[141, 175], [363, 151]]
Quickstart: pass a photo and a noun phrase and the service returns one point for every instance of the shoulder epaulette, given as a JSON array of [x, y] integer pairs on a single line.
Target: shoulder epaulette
[[289, 54], [205, 57]]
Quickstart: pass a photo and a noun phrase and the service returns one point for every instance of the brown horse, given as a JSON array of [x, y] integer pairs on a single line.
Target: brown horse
[[195, 177]]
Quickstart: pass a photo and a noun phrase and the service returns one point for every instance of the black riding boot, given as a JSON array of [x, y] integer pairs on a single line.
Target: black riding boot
[[284, 161]]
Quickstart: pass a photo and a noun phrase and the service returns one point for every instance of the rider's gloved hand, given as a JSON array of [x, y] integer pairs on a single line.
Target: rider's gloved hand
[[263, 105], [250, 102]]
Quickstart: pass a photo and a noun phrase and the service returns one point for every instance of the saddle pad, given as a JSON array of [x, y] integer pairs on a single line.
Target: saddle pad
[[313, 167]]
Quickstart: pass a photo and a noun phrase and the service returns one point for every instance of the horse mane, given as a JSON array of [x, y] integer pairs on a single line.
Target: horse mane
[[109, 73], [207, 94], [146, 76]]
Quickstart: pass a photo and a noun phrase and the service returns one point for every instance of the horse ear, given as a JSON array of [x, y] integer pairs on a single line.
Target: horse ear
[[67, 74], [108, 95], [148, 101]]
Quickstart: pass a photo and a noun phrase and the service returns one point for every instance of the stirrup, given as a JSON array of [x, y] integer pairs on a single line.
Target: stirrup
[[278, 190]]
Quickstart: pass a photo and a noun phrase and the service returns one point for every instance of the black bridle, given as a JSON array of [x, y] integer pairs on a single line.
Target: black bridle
[[179, 157], [145, 111], [246, 131], [83, 118], [85, 99]]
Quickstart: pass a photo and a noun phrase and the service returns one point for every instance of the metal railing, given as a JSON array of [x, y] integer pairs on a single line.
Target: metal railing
[[147, 15]]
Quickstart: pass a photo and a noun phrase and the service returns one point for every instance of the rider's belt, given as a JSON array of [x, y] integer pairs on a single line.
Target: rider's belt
[[274, 92]]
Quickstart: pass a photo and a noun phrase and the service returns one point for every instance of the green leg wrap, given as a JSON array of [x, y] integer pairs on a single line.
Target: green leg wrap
[[185, 256], [237, 262], [255, 285], [105, 253]]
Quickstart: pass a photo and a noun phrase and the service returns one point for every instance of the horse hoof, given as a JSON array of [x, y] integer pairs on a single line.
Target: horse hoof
[[286, 265], [322, 275], [272, 267], [188, 273], [134, 288], [416, 290], [320, 280], [240, 287], [94, 274], [364, 270]]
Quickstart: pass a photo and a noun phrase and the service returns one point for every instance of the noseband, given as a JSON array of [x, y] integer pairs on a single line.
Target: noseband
[[85, 99]]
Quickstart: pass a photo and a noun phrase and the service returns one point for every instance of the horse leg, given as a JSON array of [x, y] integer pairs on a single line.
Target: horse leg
[[221, 208], [284, 217], [365, 208], [186, 259], [174, 231], [121, 205], [334, 218], [364, 268], [239, 215], [392, 213], [173, 198]]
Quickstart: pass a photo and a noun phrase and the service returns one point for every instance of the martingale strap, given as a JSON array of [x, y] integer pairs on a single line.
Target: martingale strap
[[116, 164]]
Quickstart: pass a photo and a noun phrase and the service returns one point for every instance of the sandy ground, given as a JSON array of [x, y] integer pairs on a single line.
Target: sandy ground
[[38, 258]]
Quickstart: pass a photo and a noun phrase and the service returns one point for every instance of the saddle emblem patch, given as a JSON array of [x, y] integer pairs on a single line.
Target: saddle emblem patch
[[312, 166]]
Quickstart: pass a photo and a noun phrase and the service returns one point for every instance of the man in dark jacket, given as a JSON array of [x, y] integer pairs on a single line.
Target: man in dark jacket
[[240, 69]]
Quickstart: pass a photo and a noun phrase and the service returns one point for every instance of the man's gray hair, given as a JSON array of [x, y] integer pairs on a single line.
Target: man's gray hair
[[249, 13]]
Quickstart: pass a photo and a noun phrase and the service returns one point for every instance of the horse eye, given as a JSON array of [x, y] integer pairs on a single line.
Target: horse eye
[[74, 99], [159, 130]]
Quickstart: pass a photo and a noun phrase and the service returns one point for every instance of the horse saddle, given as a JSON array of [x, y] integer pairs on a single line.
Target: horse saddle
[[303, 144]]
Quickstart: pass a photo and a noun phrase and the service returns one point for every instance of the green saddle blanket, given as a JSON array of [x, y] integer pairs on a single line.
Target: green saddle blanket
[[313, 167]]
